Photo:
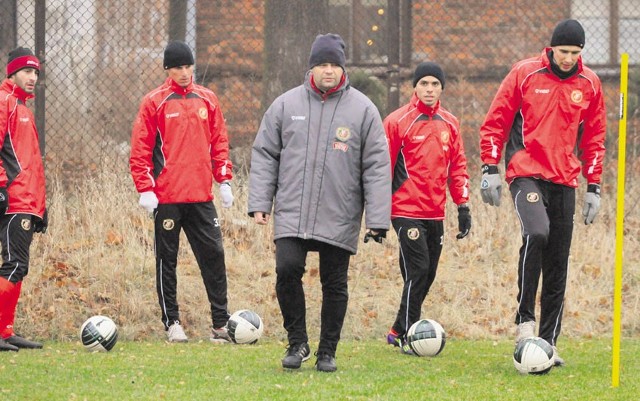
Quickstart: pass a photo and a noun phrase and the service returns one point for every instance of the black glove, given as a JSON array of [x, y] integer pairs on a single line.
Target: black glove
[[464, 221], [40, 224], [376, 237], [4, 200]]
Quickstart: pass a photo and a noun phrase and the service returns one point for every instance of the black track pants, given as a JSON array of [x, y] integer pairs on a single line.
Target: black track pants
[[291, 255], [420, 244], [16, 234], [201, 226], [545, 211]]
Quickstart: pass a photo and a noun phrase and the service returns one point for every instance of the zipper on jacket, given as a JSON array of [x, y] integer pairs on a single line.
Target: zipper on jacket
[[313, 170]]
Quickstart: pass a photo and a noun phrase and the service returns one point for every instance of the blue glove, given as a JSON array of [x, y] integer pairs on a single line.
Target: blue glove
[[491, 185], [591, 203]]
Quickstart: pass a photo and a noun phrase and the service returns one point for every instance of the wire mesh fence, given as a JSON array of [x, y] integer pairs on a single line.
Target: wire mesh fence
[[100, 57]]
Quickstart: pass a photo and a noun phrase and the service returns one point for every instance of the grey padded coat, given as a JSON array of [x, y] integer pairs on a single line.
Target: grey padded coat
[[320, 163]]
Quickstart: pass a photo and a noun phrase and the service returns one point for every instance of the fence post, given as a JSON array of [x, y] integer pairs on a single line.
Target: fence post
[[41, 87], [177, 19], [393, 54]]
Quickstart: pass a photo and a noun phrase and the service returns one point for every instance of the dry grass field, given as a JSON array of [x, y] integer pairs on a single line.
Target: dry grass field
[[97, 258]]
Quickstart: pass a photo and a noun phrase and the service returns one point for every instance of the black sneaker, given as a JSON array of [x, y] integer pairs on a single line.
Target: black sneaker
[[325, 362], [5, 346], [20, 342], [296, 354]]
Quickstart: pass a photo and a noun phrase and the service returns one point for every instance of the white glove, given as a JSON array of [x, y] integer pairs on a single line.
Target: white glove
[[591, 203], [226, 195], [491, 185], [149, 201]]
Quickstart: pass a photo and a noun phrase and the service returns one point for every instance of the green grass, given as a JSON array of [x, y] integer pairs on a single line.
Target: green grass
[[367, 370]]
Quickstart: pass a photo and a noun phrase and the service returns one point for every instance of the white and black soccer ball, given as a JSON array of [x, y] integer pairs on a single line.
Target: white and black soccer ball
[[245, 327], [99, 333], [426, 337], [533, 355]]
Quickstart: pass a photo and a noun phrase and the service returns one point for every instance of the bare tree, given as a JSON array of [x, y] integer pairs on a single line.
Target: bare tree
[[290, 28]]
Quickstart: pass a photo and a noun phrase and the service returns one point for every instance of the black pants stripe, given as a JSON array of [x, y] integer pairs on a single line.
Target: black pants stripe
[[201, 226], [545, 211], [16, 235], [291, 255], [420, 244]]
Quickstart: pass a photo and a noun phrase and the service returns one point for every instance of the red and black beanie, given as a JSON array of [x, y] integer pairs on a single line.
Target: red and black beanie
[[21, 58]]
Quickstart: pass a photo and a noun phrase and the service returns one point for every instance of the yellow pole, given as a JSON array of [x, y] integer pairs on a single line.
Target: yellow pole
[[617, 284]]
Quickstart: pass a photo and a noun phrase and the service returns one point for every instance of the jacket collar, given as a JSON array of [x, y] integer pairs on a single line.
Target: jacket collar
[[16, 91], [179, 89], [546, 62], [423, 108]]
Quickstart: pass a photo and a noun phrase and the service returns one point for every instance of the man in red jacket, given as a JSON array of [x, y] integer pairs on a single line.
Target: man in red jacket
[[179, 146], [427, 156], [22, 188], [545, 109]]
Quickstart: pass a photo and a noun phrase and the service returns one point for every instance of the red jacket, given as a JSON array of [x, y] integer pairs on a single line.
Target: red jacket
[[427, 155], [179, 144], [542, 118], [21, 167]]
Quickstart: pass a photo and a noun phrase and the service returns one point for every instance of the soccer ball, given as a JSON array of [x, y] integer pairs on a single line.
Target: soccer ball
[[245, 327], [426, 337], [99, 333], [534, 356]]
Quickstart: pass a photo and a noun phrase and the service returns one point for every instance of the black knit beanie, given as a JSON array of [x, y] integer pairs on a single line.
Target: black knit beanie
[[569, 33], [327, 48], [428, 68], [177, 53], [20, 58]]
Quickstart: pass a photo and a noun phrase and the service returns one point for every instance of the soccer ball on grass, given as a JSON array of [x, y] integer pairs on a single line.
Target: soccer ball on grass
[[534, 356], [245, 327], [99, 333], [426, 337]]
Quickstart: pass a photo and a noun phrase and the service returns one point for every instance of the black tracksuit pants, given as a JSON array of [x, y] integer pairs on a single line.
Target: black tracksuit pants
[[291, 255], [202, 228], [545, 211], [420, 248], [16, 235]]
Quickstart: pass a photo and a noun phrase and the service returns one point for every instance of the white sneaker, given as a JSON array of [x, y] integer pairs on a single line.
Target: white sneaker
[[557, 360], [175, 334], [525, 330], [220, 336]]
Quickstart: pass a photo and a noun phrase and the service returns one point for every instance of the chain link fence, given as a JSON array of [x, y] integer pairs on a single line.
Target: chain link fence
[[100, 57]]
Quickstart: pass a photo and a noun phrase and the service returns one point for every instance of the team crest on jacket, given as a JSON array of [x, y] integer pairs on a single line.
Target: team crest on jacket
[[343, 134], [26, 224], [413, 233], [202, 112], [168, 224], [576, 96], [444, 136], [532, 197]]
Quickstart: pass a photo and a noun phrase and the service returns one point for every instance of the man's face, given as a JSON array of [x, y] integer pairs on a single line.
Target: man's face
[[26, 79], [428, 90], [181, 75], [566, 56], [327, 76]]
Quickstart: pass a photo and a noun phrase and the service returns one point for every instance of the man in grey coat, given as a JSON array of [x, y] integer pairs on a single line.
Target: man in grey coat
[[320, 159]]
